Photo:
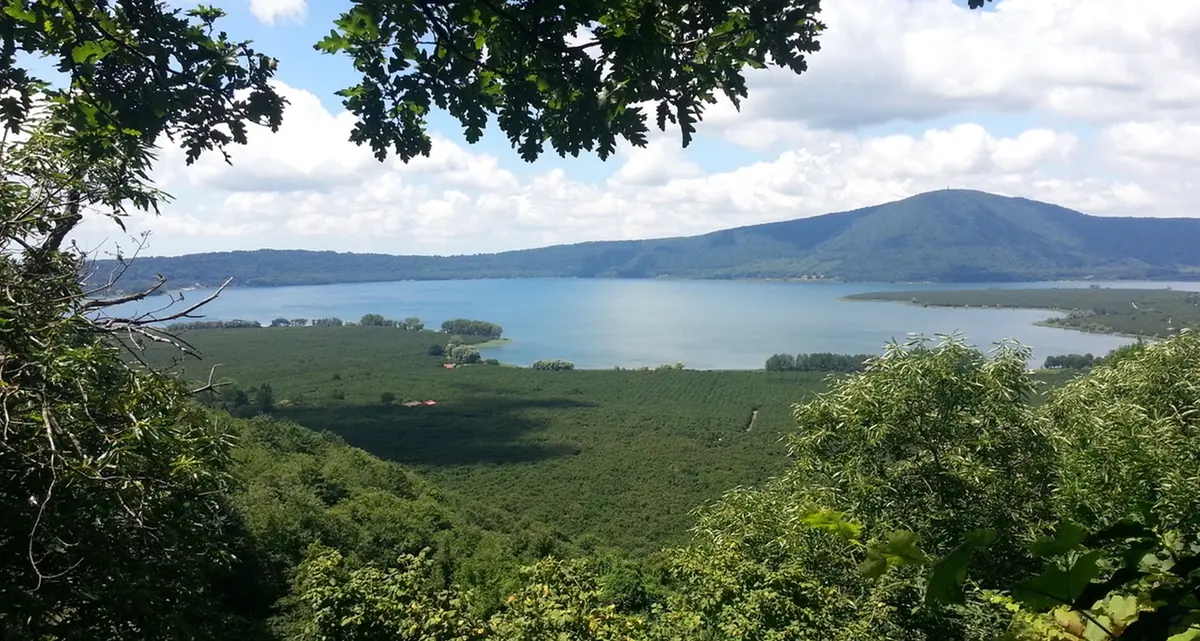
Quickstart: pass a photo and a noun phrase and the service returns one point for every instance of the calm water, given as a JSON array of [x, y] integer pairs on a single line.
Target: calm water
[[704, 324]]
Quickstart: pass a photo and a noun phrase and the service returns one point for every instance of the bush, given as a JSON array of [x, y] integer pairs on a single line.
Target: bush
[[472, 328], [553, 365], [387, 398], [436, 350], [465, 354], [819, 362]]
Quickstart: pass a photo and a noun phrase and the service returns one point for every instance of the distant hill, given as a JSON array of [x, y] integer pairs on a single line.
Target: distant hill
[[948, 236]]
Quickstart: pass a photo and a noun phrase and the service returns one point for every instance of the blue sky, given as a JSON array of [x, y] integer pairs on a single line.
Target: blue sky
[[1091, 107]]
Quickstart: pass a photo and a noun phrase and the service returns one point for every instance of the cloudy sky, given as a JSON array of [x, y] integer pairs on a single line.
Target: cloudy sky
[[1091, 104]]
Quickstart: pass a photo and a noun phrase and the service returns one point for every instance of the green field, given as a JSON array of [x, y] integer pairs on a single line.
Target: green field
[[623, 456], [1152, 313]]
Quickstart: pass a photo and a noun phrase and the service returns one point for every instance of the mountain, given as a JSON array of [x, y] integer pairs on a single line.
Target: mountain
[[948, 235]]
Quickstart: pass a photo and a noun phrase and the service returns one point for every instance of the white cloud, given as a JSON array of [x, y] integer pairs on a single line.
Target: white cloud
[[271, 11], [1100, 106]]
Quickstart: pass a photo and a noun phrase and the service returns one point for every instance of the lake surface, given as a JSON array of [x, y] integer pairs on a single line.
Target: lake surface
[[628, 323]]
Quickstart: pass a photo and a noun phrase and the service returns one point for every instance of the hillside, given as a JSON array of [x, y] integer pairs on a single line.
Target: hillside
[[949, 235]]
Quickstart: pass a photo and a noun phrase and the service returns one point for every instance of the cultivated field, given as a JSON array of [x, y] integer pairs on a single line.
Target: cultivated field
[[623, 456]]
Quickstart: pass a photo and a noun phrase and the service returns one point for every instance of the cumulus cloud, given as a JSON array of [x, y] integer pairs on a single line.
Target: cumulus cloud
[[883, 61], [271, 11], [1100, 104]]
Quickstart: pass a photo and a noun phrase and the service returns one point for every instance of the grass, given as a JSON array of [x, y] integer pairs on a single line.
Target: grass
[[623, 456], [1151, 313]]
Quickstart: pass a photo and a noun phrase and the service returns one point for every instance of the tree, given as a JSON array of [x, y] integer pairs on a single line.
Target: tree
[[781, 363], [518, 62], [464, 354], [414, 324], [468, 327], [135, 72], [376, 320], [299, 322], [281, 322], [113, 479], [524, 64], [436, 350], [553, 365]]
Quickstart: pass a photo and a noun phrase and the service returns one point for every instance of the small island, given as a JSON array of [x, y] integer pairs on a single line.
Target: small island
[[1144, 313]]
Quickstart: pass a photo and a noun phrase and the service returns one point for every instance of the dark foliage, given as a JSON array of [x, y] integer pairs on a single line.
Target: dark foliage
[[464, 327], [620, 456], [819, 362]]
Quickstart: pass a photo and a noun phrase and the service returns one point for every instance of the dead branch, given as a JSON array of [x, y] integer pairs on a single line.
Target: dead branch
[[143, 320], [121, 300], [210, 385]]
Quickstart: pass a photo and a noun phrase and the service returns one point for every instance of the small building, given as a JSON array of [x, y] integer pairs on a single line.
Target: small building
[[449, 365]]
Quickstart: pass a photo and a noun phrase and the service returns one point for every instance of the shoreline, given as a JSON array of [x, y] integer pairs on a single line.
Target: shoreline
[[493, 343], [1042, 323]]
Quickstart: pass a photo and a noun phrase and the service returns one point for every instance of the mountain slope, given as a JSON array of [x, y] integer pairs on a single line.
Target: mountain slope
[[949, 235]]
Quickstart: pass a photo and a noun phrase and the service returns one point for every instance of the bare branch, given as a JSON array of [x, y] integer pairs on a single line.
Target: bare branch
[[120, 300], [210, 385], [117, 323]]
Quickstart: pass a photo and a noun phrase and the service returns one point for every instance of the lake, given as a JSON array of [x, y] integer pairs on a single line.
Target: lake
[[629, 323]]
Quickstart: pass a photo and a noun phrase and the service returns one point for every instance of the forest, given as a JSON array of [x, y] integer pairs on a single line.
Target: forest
[[940, 236], [938, 493], [1149, 313]]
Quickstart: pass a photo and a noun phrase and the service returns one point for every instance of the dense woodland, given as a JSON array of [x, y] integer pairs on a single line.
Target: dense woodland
[[948, 236], [933, 495]]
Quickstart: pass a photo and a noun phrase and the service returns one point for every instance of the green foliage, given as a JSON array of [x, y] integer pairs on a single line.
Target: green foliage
[[553, 365], [939, 440], [112, 484], [464, 327], [376, 320], [1129, 438], [297, 489], [822, 362], [1072, 361], [1141, 312], [515, 62], [136, 72], [946, 236], [624, 455], [229, 324], [464, 354]]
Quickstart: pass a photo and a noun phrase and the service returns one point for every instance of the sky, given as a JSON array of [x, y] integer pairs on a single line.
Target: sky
[[1089, 104]]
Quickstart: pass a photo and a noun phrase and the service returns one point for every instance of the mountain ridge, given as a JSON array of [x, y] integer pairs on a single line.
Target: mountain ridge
[[946, 235]]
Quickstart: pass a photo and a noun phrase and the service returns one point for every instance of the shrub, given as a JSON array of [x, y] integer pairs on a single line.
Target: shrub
[[464, 354], [553, 365]]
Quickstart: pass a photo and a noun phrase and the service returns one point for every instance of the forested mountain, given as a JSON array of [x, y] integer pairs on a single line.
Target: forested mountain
[[949, 235]]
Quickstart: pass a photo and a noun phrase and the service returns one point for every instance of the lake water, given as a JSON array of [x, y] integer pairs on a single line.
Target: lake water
[[704, 324]]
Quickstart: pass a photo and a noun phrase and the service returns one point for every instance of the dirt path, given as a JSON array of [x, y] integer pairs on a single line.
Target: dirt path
[[753, 417]]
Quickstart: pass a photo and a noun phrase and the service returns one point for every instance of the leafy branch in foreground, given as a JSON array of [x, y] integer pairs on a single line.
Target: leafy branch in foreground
[[577, 74]]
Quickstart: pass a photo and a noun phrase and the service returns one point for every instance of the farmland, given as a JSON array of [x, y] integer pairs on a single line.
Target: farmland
[[616, 457], [1151, 313]]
